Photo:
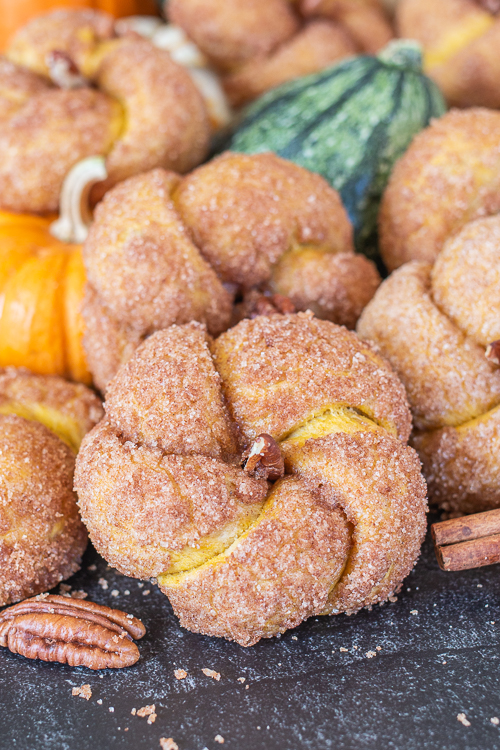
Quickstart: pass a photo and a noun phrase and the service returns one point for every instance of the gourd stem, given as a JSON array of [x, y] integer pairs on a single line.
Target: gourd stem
[[75, 215], [403, 53]]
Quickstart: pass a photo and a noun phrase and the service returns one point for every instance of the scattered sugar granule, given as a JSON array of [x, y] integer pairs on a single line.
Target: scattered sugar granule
[[495, 720], [100, 701], [211, 673], [111, 710], [115, 592], [344, 650], [103, 583], [140, 585], [370, 654], [378, 648], [393, 599], [152, 718], [126, 592], [294, 638], [79, 594], [443, 662], [92, 567], [246, 687], [479, 586], [168, 744], [241, 679], [148, 711], [146, 592], [219, 739], [414, 612], [64, 589], [180, 674], [463, 720], [83, 691], [134, 711]]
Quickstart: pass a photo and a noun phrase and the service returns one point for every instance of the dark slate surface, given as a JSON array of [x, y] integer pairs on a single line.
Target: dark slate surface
[[439, 657]]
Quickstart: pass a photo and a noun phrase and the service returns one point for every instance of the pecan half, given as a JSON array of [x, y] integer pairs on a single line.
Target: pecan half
[[493, 352], [71, 631], [263, 460], [64, 72]]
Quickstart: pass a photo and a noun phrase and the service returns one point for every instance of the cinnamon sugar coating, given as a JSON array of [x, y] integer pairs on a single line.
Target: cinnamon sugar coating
[[107, 344], [165, 250], [461, 464], [449, 176], [334, 287], [446, 375], [382, 493], [433, 324], [280, 371], [142, 264], [460, 39], [364, 20], [146, 112], [162, 495], [17, 85], [81, 122], [169, 396], [466, 280], [149, 512], [42, 537], [244, 212], [316, 46], [231, 33], [69, 409], [273, 578]]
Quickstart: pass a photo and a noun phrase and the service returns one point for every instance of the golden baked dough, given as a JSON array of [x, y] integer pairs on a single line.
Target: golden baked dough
[[449, 176], [162, 493], [166, 250], [460, 40], [259, 44], [433, 324], [42, 422], [145, 111]]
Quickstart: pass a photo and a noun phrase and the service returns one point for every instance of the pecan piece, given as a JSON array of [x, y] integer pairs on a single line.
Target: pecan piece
[[64, 72], [263, 460], [69, 631], [493, 352]]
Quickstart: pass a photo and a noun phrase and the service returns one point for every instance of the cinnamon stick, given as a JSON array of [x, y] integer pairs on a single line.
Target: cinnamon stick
[[468, 542]]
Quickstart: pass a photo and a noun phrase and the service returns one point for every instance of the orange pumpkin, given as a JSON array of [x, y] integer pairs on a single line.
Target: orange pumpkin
[[41, 289], [15, 13]]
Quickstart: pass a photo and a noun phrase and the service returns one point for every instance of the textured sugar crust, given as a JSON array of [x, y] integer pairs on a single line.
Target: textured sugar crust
[[107, 344], [147, 111], [319, 44], [446, 375], [334, 287], [82, 122], [143, 506], [211, 540], [466, 280], [42, 537], [142, 264], [169, 396], [71, 406], [17, 85], [449, 176], [365, 20], [433, 324], [73, 32], [160, 247], [461, 464], [232, 33], [280, 371], [375, 479], [244, 212], [467, 73], [274, 577]]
